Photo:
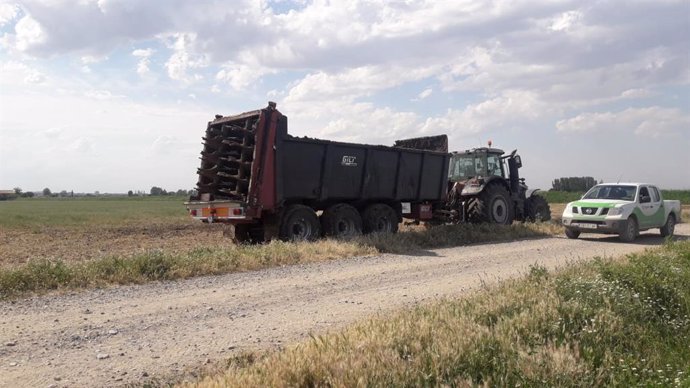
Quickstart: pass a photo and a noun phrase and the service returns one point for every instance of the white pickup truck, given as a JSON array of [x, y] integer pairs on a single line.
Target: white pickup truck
[[621, 208]]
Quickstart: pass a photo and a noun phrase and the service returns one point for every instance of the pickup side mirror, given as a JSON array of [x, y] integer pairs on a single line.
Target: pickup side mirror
[[645, 199]]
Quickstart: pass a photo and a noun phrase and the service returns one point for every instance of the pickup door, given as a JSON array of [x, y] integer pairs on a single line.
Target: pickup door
[[651, 207]]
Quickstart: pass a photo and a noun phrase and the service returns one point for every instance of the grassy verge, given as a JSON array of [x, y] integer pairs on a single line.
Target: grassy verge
[[605, 323], [42, 275]]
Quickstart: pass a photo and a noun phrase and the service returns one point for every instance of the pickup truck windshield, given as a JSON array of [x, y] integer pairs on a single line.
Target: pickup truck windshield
[[626, 193]]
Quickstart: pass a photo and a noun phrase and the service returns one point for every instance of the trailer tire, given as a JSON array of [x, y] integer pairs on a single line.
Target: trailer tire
[[299, 223], [341, 221], [492, 205], [246, 233], [537, 209], [379, 218]]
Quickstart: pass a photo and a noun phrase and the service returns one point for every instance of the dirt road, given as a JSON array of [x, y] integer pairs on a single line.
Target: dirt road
[[127, 334]]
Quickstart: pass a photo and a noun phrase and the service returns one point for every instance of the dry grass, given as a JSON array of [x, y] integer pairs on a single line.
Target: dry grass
[[58, 244], [608, 323]]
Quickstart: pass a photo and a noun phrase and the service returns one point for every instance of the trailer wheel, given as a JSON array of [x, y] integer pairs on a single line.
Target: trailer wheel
[[380, 218], [492, 205], [299, 223], [341, 221], [537, 209], [246, 233]]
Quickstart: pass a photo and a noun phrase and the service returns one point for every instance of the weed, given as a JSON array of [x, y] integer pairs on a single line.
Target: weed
[[607, 323]]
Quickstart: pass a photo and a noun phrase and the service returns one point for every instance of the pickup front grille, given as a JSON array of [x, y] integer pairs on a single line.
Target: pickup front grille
[[589, 211]]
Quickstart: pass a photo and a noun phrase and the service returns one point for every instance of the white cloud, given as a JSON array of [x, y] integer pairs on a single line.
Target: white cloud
[[240, 77], [425, 93], [507, 110], [144, 61], [28, 33], [8, 12], [143, 53], [651, 122], [566, 20], [183, 59]]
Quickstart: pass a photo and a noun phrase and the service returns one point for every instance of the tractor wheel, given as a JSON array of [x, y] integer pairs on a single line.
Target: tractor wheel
[[669, 227], [379, 218], [537, 209], [572, 233], [493, 205], [629, 230], [299, 223], [341, 221]]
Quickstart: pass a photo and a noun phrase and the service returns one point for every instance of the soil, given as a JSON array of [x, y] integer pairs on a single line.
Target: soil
[[79, 244], [128, 334]]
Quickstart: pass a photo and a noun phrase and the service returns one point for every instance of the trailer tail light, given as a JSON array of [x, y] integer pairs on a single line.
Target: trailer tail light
[[193, 212], [237, 211]]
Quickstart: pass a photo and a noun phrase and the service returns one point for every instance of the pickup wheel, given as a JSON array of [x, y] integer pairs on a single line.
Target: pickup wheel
[[299, 223], [379, 218], [669, 227], [572, 233], [629, 230], [341, 221]]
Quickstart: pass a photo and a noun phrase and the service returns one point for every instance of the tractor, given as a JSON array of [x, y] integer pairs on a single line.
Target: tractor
[[485, 186]]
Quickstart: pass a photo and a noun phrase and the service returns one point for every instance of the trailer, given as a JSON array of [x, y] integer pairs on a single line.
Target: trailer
[[267, 184]]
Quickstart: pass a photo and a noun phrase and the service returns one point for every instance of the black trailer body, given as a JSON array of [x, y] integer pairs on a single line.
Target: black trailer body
[[321, 172]]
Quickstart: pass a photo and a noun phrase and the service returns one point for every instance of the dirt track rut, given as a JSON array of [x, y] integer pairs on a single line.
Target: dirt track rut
[[127, 334]]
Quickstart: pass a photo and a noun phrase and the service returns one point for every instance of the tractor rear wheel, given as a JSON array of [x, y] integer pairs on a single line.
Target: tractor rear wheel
[[299, 223], [537, 209], [379, 218], [492, 205], [341, 221]]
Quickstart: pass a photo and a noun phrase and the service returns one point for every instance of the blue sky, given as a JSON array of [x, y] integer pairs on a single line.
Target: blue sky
[[110, 96]]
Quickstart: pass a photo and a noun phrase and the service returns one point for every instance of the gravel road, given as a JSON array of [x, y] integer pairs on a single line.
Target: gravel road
[[126, 334]]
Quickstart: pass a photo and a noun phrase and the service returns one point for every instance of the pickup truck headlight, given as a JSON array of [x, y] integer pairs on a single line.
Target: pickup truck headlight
[[615, 211]]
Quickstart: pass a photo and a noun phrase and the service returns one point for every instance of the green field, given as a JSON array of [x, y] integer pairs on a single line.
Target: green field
[[564, 197], [80, 212]]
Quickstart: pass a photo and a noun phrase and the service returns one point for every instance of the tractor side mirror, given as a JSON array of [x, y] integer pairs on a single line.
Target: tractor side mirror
[[518, 161]]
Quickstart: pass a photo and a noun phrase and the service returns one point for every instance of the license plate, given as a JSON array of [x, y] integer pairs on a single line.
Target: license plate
[[584, 226]]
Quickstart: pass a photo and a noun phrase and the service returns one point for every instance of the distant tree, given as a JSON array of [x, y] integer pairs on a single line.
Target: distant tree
[[18, 190], [181, 192], [28, 194], [155, 190], [63, 193], [130, 193], [47, 192]]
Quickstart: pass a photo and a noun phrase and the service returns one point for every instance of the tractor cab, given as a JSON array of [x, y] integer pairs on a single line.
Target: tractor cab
[[484, 162]]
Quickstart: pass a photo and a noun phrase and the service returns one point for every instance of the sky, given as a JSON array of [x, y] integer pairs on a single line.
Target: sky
[[115, 95]]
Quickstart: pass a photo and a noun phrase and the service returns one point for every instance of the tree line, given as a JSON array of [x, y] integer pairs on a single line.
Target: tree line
[[574, 184]]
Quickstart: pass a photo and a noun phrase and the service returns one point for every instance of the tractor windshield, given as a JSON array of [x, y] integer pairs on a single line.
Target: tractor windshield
[[468, 165]]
